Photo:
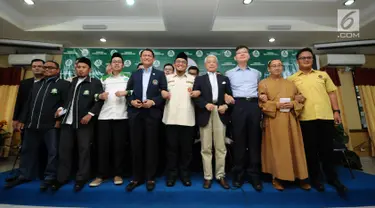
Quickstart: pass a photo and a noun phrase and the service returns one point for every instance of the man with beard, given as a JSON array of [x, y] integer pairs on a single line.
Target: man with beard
[[41, 125], [77, 125], [145, 113]]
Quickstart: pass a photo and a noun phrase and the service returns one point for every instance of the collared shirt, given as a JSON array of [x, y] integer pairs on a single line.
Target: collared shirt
[[315, 87], [145, 80], [179, 109], [244, 83], [114, 108], [69, 119], [215, 89]]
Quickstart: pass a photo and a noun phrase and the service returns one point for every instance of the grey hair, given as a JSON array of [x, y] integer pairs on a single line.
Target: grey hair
[[211, 55]]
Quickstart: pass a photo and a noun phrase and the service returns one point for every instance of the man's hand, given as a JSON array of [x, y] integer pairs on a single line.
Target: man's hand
[[222, 109], [136, 103], [86, 119], [57, 114], [299, 98], [228, 99], [166, 95], [15, 125], [195, 93], [148, 104], [121, 93], [263, 98], [104, 96], [288, 105], [20, 126], [337, 118], [108, 69], [58, 124], [210, 106]]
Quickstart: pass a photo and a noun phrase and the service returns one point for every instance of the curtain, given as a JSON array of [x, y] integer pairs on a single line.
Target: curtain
[[364, 79], [9, 83], [332, 72]]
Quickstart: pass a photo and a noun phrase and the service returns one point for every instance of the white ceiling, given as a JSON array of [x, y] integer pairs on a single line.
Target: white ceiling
[[179, 23]]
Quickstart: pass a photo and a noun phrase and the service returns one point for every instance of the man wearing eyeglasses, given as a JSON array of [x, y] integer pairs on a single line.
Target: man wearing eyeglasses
[[41, 125], [320, 114]]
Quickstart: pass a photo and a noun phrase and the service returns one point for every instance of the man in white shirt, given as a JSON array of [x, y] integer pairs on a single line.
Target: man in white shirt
[[179, 118], [112, 123], [212, 117]]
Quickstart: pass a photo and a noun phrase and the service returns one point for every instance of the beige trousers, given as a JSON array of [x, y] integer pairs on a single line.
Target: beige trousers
[[213, 131]]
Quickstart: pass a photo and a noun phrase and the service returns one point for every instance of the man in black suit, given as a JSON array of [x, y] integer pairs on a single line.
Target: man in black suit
[[145, 113], [212, 119], [80, 108]]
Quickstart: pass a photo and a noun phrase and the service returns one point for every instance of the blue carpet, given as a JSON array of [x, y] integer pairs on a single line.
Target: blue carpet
[[361, 193]]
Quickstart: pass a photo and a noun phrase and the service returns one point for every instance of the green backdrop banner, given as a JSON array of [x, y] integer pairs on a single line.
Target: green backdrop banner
[[100, 57]]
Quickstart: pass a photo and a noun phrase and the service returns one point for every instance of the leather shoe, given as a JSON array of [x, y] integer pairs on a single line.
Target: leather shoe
[[318, 186], [171, 182], [207, 184], [304, 185], [186, 181], [257, 184], [79, 186], [237, 181], [45, 185], [340, 188], [223, 183], [15, 183], [150, 185], [56, 185], [277, 185], [132, 185]]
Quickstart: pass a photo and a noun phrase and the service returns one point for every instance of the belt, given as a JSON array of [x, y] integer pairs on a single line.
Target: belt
[[251, 99]]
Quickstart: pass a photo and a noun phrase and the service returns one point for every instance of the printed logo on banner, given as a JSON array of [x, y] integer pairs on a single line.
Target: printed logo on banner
[[284, 54], [98, 63], [256, 53], [156, 63], [227, 53], [127, 63], [199, 53], [171, 53], [68, 62], [113, 51], [85, 52]]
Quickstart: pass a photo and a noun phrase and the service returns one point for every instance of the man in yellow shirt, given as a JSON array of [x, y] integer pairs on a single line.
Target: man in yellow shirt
[[317, 120]]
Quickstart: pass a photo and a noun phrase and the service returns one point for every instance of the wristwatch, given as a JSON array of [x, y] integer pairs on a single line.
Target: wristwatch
[[338, 111]]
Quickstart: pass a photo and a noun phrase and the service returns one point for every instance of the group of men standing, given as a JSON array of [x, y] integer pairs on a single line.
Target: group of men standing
[[118, 104]]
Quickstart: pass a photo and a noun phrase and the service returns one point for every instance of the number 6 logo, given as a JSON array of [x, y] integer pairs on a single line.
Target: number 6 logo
[[348, 20]]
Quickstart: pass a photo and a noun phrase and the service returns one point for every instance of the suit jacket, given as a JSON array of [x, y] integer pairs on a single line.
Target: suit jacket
[[157, 83], [202, 83], [22, 96]]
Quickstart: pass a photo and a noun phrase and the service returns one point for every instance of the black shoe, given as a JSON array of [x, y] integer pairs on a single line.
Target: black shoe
[[56, 185], [132, 185], [318, 186], [150, 185], [45, 185], [15, 183], [10, 179], [186, 181], [207, 184], [237, 181], [257, 184], [170, 182], [340, 188], [78, 186]]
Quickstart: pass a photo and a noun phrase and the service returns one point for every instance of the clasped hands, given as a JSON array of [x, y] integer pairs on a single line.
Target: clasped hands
[[104, 95], [288, 105], [193, 93]]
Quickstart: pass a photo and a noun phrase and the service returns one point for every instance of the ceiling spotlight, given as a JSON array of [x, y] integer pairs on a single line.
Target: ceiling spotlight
[[130, 2], [29, 2], [247, 1], [349, 2], [103, 40], [271, 40]]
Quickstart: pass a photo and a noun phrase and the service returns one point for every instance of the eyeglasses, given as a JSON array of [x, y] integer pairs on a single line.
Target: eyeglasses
[[305, 58], [49, 67]]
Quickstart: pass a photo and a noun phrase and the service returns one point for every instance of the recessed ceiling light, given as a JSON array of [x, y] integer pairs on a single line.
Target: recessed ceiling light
[[29, 2], [271, 40], [349, 2], [103, 40], [130, 2], [247, 1]]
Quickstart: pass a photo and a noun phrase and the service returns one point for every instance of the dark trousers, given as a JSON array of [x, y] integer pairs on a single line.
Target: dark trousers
[[179, 150], [318, 140], [111, 141], [33, 138], [144, 139], [246, 116], [69, 137]]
